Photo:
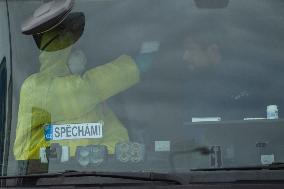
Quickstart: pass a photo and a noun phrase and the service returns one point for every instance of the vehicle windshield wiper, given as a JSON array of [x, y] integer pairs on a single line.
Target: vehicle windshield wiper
[[272, 166], [137, 176]]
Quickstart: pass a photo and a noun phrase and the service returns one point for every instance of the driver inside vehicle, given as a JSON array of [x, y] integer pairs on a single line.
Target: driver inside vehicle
[[199, 57], [62, 94]]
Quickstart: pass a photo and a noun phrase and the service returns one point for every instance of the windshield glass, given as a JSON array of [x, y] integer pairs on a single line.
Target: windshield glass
[[145, 85]]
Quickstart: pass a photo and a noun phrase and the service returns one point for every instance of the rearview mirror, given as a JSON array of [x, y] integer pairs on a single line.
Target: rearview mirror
[[211, 4]]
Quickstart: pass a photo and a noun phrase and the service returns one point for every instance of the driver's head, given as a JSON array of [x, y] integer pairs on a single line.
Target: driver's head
[[199, 56]]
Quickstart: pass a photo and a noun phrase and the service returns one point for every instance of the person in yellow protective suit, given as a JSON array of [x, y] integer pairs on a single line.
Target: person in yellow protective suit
[[56, 96]]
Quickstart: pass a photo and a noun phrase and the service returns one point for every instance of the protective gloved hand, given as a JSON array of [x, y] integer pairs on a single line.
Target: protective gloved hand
[[147, 53], [144, 61]]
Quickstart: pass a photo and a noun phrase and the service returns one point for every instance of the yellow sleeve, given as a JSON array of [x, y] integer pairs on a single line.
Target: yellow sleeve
[[114, 77], [74, 95]]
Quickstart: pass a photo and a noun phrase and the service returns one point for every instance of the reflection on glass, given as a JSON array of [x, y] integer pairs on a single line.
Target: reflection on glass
[[146, 70]]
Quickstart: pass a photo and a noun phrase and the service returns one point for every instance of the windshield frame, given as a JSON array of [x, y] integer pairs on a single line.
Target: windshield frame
[[6, 53]]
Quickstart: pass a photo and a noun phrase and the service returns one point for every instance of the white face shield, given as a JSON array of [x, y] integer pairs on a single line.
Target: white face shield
[[77, 62]]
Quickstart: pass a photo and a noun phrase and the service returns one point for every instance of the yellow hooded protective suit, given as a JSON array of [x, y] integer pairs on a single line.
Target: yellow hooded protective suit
[[56, 96]]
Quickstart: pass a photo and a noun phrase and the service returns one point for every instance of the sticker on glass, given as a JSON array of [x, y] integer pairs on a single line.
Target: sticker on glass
[[162, 146], [73, 131], [267, 159]]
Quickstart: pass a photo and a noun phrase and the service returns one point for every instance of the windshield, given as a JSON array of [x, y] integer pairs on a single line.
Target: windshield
[[145, 86]]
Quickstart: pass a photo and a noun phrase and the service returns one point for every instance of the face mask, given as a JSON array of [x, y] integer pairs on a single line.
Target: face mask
[[77, 62]]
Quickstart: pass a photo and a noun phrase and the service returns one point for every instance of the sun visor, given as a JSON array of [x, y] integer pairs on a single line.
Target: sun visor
[[47, 16]]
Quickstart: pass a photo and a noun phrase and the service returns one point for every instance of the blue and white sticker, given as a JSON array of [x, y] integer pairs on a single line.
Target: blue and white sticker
[[74, 131]]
